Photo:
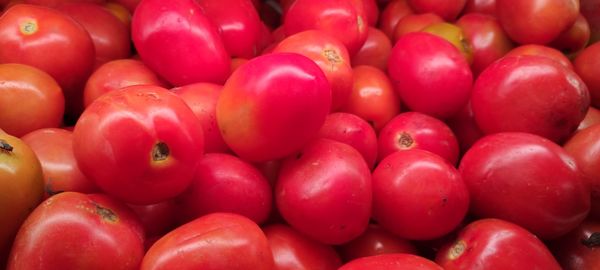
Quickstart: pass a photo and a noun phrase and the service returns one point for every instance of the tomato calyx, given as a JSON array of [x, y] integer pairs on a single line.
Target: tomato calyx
[[160, 151], [105, 213], [592, 241], [5, 146]]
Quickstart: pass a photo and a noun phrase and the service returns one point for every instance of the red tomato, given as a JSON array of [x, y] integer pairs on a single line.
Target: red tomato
[[375, 52], [552, 97], [481, 6], [71, 229], [56, 3], [212, 242], [225, 183], [413, 130], [40, 100], [331, 56], [414, 23], [119, 11], [371, 11], [393, 12], [496, 244], [325, 192], [157, 219], [589, 9], [587, 64], [342, 19], [447, 9], [375, 241], [391, 262], [418, 195], [525, 179], [592, 117], [118, 74], [140, 143], [541, 50], [575, 38], [294, 251], [54, 149], [267, 93], [465, 128], [537, 22], [162, 32], [579, 248], [202, 99], [354, 131], [415, 69]]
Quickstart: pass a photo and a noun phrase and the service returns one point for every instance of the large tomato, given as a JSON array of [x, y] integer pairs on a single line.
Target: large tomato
[[273, 105], [22, 186], [72, 229], [586, 65], [140, 143]]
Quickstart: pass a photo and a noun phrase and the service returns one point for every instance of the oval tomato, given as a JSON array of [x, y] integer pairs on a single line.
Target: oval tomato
[[375, 241], [393, 12], [375, 51], [447, 9], [586, 64], [541, 50], [391, 262]]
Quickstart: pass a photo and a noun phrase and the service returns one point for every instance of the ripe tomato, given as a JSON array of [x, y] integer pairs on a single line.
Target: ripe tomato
[[592, 117], [575, 38], [267, 93], [40, 100], [496, 244], [140, 143], [22, 186], [375, 51], [325, 192], [480, 6], [157, 219], [375, 241], [212, 242], [541, 50], [528, 180], [393, 12], [587, 63], [579, 248], [447, 9], [414, 23], [56, 3], [391, 262], [465, 128], [584, 147]]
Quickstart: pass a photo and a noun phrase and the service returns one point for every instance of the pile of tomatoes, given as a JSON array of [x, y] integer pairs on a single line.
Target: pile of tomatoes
[[300, 134]]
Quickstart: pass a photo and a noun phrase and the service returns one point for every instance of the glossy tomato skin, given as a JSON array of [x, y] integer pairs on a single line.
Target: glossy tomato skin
[[294, 251], [579, 248], [226, 183], [22, 184], [496, 244], [575, 38], [586, 65], [212, 242], [325, 192], [391, 262], [543, 184], [57, 229], [414, 130], [584, 147], [162, 32], [553, 98], [375, 51], [140, 144], [267, 93], [354, 131], [342, 19], [393, 12], [202, 99], [414, 23], [418, 195], [448, 10], [592, 117], [480, 6], [331, 56], [541, 50], [41, 103], [54, 149], [417, 76], [375, 241], [156, 219]]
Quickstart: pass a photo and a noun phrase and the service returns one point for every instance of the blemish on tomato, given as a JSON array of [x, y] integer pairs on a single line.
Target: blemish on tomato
[[28, 27], [457, 250], [106, 214]]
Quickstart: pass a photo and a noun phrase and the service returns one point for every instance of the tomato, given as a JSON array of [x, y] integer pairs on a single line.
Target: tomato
[[157, 219], [375, 241], [202, 99], [541, 50], [294, 251], [269, 92], [129, 4], [117, 74], [537, 22], [480, 6], [453, 34], [391, 262], [589, 9], [592, 117], [41, 103], [225, 183], [465, 128], [237, 62], [57, 229], [119, 11], [586, 65], [446, 9], [162, 32], [575, 38], [53, 147], [325, 192], [496, 244], [22, 186], [140, 143], [354, 131], [371, 11], [528, 180], [342, 19], [418, 195], [212, 242], [553, 97], [417, 74], [393, 12], [373, 97], [56, 3], [414, 130], [375, 52], [414, 23], [579, 248]]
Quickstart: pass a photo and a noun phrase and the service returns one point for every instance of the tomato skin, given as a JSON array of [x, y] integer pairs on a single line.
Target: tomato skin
[[541, 50], [481, 6], [586, 65], [592, 117], [22, 185], [414, 23], [391, 262], [375, 241], [375, 51], [417, 77], [547, 194], [579, 248], [447, 9], [393, 12], [496, 244], [40, 98], [57, 229], [465, 128], [268, 92], [325, 192], [575, 38], [294, 251], [212, 242], [418, 195], [162, 31], [56, 3], [147, 128], [552, 96]]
